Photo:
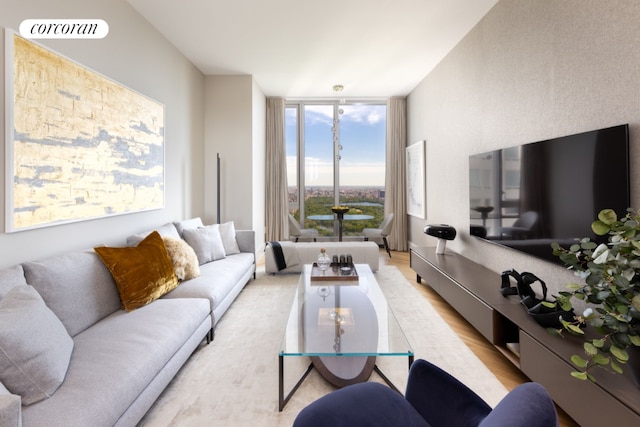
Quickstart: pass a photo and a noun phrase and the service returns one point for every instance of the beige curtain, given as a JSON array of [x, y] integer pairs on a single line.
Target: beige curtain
[[276, 204], [395, 178]]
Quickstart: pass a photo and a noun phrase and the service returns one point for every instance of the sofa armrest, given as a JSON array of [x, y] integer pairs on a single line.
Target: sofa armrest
[[10, 408], [246, 240]]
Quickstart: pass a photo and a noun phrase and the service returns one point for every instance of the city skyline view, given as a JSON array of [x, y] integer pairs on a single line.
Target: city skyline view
[[352, 192]]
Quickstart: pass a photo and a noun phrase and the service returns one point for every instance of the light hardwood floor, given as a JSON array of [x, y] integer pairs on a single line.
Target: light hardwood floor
[[504, 370]]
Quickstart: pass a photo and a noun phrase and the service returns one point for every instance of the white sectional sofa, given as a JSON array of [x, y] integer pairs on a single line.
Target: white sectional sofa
[[74, 357]]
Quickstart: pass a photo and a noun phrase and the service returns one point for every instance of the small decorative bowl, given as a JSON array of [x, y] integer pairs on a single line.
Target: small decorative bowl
[[340, 209], [345, 271]]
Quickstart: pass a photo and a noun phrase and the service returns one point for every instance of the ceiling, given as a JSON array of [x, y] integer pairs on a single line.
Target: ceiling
[[302, 48]]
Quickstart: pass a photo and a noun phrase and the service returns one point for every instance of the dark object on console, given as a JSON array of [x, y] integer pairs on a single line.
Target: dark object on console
[[433, 398], [443, 232], [478, 231], [505, 287], [547, 317]]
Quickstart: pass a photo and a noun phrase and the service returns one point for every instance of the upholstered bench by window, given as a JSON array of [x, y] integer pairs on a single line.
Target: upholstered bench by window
[[296, 255]]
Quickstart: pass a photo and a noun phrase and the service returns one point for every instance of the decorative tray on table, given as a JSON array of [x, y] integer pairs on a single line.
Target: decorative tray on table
[[335, 272]]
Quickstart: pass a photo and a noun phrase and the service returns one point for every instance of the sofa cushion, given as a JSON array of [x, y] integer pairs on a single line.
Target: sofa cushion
[[228, 234], [10, 408], [206, 242], [142, 273], [216, 279], [10, 277], [35, 347], [183, 257], [114, 361], [76, 286], [167, 230]]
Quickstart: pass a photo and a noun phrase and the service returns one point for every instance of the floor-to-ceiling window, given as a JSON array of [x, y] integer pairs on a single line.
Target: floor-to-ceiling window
[[336, 156]]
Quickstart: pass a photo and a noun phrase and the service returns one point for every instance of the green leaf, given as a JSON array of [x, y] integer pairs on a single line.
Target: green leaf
[[590, 349], [616, 367], [599, 359], [598, 343], [622, 308], [566, 305], [574, 329], [608, 216], [619, 353], [579, 361], [621, 339], [600, 228], [579, 375], [635, 340]]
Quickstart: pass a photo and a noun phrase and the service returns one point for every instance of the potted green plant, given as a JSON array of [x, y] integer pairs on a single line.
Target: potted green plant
[[610, 291]]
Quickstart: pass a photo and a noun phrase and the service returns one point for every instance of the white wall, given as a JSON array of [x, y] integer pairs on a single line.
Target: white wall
[[235, 127], [530, 70], [137, 56], [259, 164]]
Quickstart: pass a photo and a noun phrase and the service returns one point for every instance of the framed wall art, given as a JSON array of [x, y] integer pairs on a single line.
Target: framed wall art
[[79, 146], [416, 179]]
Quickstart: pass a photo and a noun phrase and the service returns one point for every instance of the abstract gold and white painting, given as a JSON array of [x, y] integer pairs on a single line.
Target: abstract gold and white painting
[[79, 145]]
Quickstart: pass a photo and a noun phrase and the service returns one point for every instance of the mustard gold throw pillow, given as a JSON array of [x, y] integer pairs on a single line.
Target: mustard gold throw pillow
[[142, 273]]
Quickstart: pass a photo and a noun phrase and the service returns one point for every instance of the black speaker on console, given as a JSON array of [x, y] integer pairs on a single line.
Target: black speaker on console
[[443, 232]]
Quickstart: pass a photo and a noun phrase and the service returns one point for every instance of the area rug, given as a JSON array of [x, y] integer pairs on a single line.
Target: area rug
[[234, 380]]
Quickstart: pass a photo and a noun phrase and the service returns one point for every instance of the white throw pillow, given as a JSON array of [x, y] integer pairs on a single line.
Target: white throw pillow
[[228, 233], [35, 348], [188, 224], [206, 242], [167, 230]]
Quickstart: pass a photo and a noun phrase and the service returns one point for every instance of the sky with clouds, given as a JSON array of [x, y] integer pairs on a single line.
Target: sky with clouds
[[362, 136]]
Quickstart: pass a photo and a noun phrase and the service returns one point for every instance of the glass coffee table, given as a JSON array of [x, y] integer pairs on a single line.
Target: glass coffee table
[[342, 326]]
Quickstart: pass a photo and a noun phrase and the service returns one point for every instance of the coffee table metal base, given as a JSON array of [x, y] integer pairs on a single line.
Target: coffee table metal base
[[283, 400]]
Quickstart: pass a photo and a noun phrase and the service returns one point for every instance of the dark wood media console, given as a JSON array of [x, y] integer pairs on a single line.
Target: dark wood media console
[[473, 291]]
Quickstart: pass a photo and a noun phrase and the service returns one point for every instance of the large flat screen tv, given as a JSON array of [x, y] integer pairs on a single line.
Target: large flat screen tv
[[529, 196]]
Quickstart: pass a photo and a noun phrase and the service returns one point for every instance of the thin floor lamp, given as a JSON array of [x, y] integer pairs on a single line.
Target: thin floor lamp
[[218, 187]]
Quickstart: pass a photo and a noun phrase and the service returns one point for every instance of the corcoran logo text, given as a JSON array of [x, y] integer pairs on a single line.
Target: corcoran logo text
[[64, 28]]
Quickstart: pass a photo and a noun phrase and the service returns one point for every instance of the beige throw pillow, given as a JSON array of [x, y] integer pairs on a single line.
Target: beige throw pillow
[[183, 257]]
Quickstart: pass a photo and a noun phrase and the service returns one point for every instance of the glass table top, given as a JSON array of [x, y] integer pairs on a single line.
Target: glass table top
[[347, 217], [345, 318]]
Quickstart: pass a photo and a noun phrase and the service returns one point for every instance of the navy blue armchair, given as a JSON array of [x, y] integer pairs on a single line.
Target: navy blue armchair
[[433, 398]]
